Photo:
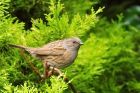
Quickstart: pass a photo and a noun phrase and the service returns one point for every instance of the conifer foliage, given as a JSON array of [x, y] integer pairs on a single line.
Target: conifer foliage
[[108, 62]]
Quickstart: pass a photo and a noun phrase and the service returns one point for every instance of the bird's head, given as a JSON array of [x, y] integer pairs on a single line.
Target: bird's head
[[73, 43]]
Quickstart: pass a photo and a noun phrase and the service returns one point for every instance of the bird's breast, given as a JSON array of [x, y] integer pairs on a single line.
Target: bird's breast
[[62, 61], [69, 57]]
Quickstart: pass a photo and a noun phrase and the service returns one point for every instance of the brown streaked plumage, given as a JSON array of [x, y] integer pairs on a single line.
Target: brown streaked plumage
[[58, 54]]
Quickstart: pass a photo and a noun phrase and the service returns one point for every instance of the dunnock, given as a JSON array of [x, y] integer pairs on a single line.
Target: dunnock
[[58, 54]]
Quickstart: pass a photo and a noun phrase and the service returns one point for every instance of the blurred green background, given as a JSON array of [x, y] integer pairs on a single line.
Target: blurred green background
[[108, 62]]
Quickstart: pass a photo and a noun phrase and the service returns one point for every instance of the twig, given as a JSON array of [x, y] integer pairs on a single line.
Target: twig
[[71, 86], [35, 70]]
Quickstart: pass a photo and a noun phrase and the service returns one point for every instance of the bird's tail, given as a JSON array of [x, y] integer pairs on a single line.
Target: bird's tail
[[18, 46]]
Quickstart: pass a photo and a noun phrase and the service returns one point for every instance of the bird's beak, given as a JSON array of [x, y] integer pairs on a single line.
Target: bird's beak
[[81, 43]]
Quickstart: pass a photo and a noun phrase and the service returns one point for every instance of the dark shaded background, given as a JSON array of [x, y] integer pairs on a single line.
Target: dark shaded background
[[26, 10]]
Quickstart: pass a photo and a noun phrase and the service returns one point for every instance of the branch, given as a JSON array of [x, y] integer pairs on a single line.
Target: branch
[[35, 70]]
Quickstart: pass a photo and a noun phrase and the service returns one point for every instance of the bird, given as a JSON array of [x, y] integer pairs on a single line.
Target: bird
[[58, 54]]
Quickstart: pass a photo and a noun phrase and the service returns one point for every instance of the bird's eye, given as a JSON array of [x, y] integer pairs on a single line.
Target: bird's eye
[[74, 41]]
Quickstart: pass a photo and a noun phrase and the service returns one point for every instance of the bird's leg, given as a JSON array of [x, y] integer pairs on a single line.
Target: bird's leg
[[51, 72], [58, 72], [46, 70]]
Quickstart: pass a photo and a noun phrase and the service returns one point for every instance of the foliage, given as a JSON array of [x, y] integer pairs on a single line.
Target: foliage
[[132, 16], [58, 86], [16, 69], [108, 62], [25, 10], [113, 55]]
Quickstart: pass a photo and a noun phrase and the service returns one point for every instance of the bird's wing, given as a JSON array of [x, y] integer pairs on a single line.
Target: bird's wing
[[50, 52], [54, 48]]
